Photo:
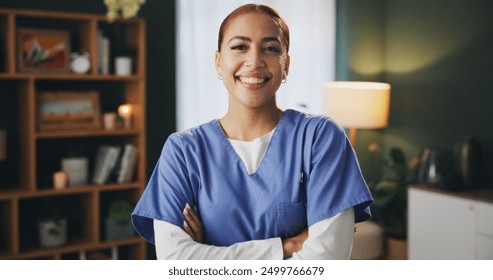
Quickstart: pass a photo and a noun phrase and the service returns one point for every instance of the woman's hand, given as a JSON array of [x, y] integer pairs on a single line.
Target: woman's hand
[[192, 224], [293, 244]]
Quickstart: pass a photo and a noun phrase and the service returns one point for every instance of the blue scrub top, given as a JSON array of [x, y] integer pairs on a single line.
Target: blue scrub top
[[201, 168]]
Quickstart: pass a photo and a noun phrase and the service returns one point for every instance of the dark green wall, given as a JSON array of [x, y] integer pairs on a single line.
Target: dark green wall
[[360, 45], [437, 55]]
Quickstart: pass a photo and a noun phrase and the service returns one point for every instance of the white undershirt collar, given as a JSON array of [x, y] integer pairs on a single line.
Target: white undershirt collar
[[252, 152]]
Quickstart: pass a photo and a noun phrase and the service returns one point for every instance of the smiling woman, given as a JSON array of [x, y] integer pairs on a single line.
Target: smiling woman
[[206, 98], [260, 182]]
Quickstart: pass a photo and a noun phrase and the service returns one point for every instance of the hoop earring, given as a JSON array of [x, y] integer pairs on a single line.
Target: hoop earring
[[284, 81], [220, 77]]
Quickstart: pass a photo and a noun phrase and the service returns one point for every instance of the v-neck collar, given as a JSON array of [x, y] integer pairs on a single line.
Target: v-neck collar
[[270, 157]]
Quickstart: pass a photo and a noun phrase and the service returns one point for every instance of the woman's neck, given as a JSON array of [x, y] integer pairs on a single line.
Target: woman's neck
[[248, 124]]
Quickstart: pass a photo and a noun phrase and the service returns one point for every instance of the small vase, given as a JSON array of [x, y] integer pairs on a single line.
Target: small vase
[[123, 66], [52, 232], [76, 169]]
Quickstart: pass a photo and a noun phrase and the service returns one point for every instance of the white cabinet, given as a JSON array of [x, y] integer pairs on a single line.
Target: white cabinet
[[448, 226], [485, 231]]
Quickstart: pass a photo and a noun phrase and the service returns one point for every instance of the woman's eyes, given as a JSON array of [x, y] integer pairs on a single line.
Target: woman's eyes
[[270, 49], [239, 47]]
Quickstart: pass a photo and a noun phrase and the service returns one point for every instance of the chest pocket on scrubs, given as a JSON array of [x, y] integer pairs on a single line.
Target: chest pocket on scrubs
[[291, 218]]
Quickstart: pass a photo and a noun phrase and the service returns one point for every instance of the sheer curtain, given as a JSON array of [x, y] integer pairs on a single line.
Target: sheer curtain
[[201, 96]]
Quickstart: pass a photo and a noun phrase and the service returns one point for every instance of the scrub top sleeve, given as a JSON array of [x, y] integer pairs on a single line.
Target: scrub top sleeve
[[335, 182], [167, 191]]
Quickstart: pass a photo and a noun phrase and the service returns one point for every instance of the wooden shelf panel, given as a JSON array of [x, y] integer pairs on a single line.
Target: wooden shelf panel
[[66, 76], [86, 133], [68, 16], [71, 247], [48, 192]]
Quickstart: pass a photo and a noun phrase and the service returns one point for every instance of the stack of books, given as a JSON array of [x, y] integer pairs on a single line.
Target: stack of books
[[115, 164]]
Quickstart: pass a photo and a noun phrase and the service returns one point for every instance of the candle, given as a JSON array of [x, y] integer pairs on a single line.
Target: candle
[[60, 180], [125, 111], [109, 120]]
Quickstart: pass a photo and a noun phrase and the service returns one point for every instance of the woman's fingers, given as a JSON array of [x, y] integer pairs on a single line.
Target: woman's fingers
[[294, 244], [189, 230], [193, 215], [193, 223]]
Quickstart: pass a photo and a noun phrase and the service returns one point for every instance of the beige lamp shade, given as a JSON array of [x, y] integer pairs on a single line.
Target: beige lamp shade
[[358, 104]]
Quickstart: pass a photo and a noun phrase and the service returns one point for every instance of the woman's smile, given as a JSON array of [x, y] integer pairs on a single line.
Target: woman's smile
[[252, 82]]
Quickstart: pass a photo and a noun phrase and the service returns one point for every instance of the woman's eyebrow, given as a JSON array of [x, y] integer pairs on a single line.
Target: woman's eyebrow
[[243, 38], [248, 39]]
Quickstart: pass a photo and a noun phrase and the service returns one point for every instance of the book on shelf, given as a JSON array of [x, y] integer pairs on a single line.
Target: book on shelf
[[103, 53], [127, 163], [133, 165], [106, 159]]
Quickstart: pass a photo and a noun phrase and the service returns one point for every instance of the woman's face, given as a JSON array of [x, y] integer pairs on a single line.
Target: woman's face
[[253, 60]]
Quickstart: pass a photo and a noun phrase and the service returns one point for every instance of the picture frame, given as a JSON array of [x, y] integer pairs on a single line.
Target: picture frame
[[43, 50], [68, 110]]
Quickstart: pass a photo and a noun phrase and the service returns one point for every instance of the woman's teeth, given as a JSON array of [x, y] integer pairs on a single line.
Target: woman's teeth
[[252, 80]]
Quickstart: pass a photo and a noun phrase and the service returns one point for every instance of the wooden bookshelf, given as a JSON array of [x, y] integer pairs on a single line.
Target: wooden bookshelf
[[35, 154]]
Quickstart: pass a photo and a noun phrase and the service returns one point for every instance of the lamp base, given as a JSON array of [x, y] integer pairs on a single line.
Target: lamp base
[[352, 136]]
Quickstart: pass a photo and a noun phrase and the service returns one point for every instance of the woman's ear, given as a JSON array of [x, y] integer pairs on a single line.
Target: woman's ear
[[286, 67], [217, 59]]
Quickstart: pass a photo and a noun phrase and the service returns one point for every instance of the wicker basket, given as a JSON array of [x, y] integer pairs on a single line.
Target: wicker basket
[[368, 241], [395, 249]]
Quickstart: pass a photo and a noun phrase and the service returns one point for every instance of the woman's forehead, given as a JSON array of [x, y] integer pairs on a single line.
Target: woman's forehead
[[252, 24]]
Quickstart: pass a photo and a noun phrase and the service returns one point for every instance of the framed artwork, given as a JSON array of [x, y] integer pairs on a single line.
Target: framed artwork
[[68, 110], [43, 50]]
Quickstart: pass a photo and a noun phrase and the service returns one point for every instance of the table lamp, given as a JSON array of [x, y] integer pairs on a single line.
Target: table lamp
[[363, 105]]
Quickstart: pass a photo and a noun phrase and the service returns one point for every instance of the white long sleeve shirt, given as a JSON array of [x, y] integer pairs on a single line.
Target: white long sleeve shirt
[[331, 238]]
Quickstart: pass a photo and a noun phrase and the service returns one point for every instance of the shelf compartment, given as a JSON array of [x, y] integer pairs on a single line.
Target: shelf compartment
[[118, 231], [111, 92], [125, 40], [51, 151], [10, 101], [3, 42], [7, 229], [77, 29], [79, 211]]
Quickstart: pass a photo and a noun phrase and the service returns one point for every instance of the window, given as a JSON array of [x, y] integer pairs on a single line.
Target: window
[[201, 96]]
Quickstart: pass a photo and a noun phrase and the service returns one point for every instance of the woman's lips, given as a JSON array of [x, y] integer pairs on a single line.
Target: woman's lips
[[252, 80], [252, 83]]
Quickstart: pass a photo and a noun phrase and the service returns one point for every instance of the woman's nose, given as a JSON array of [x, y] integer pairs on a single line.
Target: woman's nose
[[254, 59]]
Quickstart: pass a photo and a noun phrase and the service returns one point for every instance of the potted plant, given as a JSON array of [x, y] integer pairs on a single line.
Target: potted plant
[[52, 226], [118, 224], [389, 208]]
